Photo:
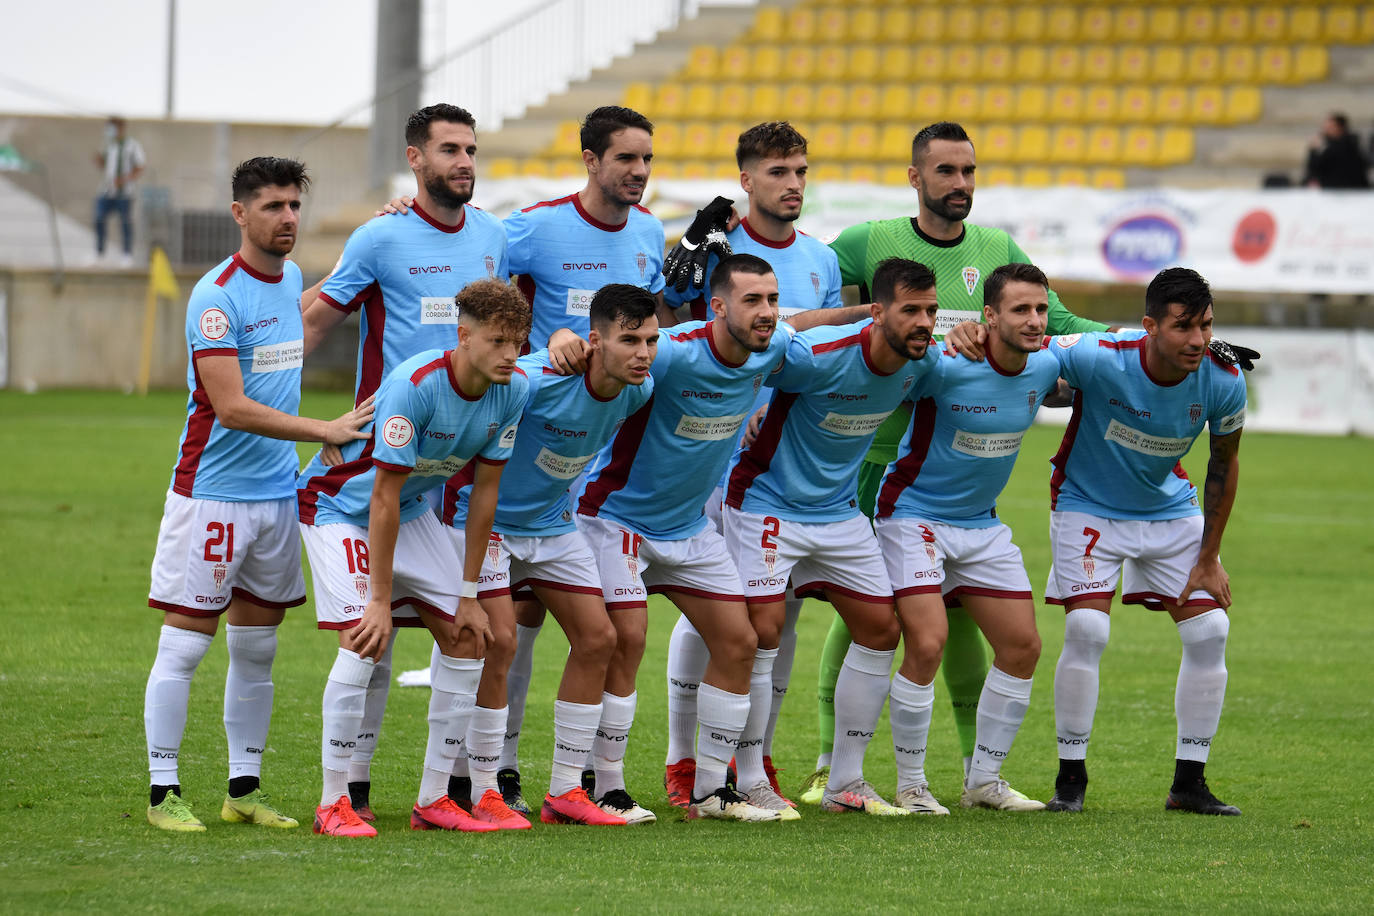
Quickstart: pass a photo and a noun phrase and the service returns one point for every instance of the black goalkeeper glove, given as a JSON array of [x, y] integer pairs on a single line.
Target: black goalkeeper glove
[[685, 265], [1234, 354]]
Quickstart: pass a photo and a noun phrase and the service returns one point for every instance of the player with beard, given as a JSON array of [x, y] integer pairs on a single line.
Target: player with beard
[[791, 510], [945, 547], [962, 255], [401, 272]]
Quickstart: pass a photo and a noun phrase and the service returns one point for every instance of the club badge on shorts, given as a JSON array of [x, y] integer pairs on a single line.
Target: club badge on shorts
[[1089, 566], [360, 583], [770, 558], [220, 573]]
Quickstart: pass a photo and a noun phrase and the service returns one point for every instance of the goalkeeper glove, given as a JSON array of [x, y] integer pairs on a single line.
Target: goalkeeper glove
[[1234, 354], [685, 265]]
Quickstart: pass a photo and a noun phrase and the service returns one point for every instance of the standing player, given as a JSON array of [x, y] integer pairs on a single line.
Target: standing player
[[538, 549], [944, 545], [961, 256], [377, 551], [225, 544], [773, 168], [1119, 498], [791, 509], [401, 272]]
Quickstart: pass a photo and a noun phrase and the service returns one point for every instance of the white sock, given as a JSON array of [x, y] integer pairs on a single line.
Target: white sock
[[486, 729], [909, 712], [1201, 682], [360, 764], [782, 671], [344, 695], [452, 695], [860, 691], [687, 658], [248, 696], [721, 717], [612, 734], [165, 700], [1075, 679], [517, 690], [574, 730], [749, 753], [1001, 709]]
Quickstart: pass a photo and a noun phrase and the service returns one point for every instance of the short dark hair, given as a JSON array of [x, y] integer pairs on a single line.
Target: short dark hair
[[895, 272], [940, 130], [771, 138], [254, 174], [495, 302], [1011, 273], [1341, 121], [622, 304], [600, 123], [417, 125], [1177, 285], [724, 274]]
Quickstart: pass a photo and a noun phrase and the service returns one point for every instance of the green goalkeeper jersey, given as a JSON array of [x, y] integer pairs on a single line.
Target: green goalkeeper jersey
[[960, 265]]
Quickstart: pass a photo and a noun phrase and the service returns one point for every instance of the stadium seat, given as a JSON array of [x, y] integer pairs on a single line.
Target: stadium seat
[[862, 102], [1061, 23], [929, 103], [1243, 105], [502, 167], [1100, 104], [895, 175], [929, 24], [1035, 177], [1366, 27], [1171, 104], [1238, 64], [1274, 64], [864, 26], [1108, 179], [1099, 64], [535, 168], [1095, 23], [1032, 144], [1305, 23], [827, 172], [665, 170], [1128, 23], [995, 23], [1104, 145], [964, 102], [1032, 103], [1071, 177], [1233, 24], [997, 102], [1066, 103], [1204, 105], [736, 62], [799, 62], [894, 145], [897, 25], [732, 100], [697, 138], [1175, 146], [1203, 64], [996, 177], [1199, 24], [861, 173], [830, 101], [996, 143], [1066, 63], [1140, 146], [765, 62], [865, 63], [1028, 23], [695, 170], [669, 99], [667, 140], [564, 167], [798, 100], [832, 61], [1068, 144], [832, 24], [1031, 64], [567, 141], [800, 24], [894, 102], [962, 62], [768, 24], [1270, 23], [1163, 23], [1167, 64], [639, 96], [1310, 64], [703, 63], [930, 63], [724, 139], [827, 142], [860, 142], [1340, 25], [1133, 64], [765, 101], [895, 63], [962, 23], [701, 101], [995, 63], [1136, 105]]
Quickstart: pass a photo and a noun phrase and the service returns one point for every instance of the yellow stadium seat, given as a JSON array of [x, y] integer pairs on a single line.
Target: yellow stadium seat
[[1028, 23], [1171, 104], [669, 99], [894, 145], [1066, 63], [831, 62], [998, 102], [1099, 64], [996, 177], [1035, 177], [1310, 63], [1163, 23], [1068, 144], [894, 104], [1233, 24], [799, 62], [929, 24], [894, 63], [736, 62], [695, 170], [798, 100], [861, 173], [963, 102], [765, 102], [862, 102], [801, 24], [639, 96], [1108, 179], [724, 139], [1031, 63], [732, 100], [930, 63], [697, 138], [962, 23], [503, 167], [567, 168], [1032, 103], [1366, 28], [1061, 23], [1100, 104], [1128, 23], [1238, 64], [665, 170], [667, 140], [861, 142], [1270, 23], [703, 63], [1243, 105], [724, 168], [995, 63], [1175, 146], [535, 168], [995, 23], [1305, 23], [765, 62], [1133, 64], [826, 172], [768, 24], [864, 26], [1204, 64], [1340, 25], [1205, 105], [1140, 146], [1167, 64], [897, 25], [568, 139], [701, 101], [1095, 23], [1136, 105], [895, 175], [830, 100], [832, 24], [929, 103], [1274, 64], [1071, 177], [1066, 103], [996, 143], [1104, 145], [963, 62], [1199, 24], [865, 63]]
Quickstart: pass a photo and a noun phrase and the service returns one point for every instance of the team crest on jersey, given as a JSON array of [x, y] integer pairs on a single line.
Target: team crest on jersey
[[642, 260], [220, 573], [971, 277], [758, 382], [816, 283], [1194, 413], [907, 383], [1030, 401], [492, 428], [490, 264], [360, 583], [1089, 566]]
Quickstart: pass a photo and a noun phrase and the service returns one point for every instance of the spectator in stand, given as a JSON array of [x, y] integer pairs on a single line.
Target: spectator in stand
[[121, 162], [1334, 158]]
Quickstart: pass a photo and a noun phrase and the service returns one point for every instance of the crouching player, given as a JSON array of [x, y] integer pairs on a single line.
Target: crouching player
[[377, 550], [944, 546], [1121, 506], [225, 545], [538, 548]]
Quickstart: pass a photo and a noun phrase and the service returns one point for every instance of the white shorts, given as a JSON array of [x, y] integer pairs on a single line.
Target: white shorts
[[425, 574], [1088, 554], [819, 557], [209, 551], [633, 566], [562, 562], [493, 581], [929, 557], [714, 503]]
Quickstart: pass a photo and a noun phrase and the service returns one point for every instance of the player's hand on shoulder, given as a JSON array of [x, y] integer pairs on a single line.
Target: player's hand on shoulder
[[348, 427], [568, 353], [1234, 354], [685, 264], [397, 205], [967, 338], [1210, 577]]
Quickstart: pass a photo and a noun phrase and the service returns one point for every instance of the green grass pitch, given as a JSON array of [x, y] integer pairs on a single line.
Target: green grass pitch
[[81, 491]]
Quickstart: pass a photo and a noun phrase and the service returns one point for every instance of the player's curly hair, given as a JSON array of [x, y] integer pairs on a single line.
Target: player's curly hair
[[1011, 273], [495, 302], [417, 125], [254, 174], [621, 304], [769, 139], [892, 273], [1177, 285], [940, 130], [601, 122]]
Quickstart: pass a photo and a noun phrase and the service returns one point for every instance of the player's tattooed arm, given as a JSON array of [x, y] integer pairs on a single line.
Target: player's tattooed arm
[[1218, 496], [814, 318]]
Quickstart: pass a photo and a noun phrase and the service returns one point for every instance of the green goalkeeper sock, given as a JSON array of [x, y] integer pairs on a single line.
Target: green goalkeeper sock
[[965, 666], [832, 659]]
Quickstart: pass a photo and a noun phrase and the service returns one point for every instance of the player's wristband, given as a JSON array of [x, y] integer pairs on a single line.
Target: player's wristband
[[469, 590]]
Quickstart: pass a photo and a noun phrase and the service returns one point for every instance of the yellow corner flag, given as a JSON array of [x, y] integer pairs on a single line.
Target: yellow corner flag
[[162, 281]]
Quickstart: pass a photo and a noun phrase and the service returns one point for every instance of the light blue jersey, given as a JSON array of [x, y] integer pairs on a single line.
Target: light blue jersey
[[829, 401], [655, 475], [427, 428], [1120, 454], [564, 425], [962, 441], [236, 311], [402, 271], [807, 269], [563, 255]]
